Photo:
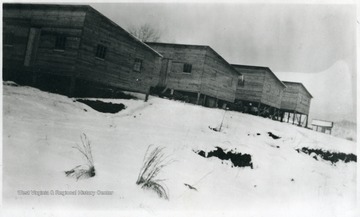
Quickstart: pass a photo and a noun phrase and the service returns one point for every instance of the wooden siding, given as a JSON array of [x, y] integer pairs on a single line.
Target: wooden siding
[[295, 98], [272, 91], [116, 69], [178, 56], [303, 104], [48, 22], [253, 87], [60, 62], [13, 55], [219, 80]]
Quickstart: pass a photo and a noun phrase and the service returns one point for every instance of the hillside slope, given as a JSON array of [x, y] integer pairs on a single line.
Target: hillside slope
[[40, 130]]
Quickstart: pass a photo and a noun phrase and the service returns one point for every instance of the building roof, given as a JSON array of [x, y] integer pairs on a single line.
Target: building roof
[[74, 7], [298, 83], [322, 123], [260, 68], [205, 47]]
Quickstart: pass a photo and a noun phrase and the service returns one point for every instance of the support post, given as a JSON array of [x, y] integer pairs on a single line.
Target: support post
[[294, 117], [224, 105], [147, 95], [204, 103], [198, 98], [306, 123], [274, 114], [258, 112], [300, 120], [288, 116], [172, 91]]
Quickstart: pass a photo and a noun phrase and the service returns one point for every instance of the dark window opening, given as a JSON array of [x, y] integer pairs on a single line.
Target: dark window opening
[[60, 42], [137, 65], [9, 39], [187, 68], [241, 81], [101, 51]]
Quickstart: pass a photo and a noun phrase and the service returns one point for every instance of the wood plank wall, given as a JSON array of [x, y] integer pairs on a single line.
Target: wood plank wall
[[296, 98], [13, 55], [219, 79], [272, 91], [303, 104], [117, 69], [50, 22], [253, 87], [176, 78]]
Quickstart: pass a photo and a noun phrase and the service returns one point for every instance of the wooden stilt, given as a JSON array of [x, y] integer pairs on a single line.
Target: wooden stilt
[[172, 91], [294, 117], [288, 116], [306, 123], [204, 103], [198, 98], [300, 120], [147, 95]]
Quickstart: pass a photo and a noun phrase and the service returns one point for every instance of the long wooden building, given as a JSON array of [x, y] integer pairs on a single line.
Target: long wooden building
[[259, 92], [74, 49], [198, 72], [295, 103]]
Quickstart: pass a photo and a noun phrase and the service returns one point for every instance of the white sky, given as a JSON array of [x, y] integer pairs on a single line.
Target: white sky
[[288, 38]]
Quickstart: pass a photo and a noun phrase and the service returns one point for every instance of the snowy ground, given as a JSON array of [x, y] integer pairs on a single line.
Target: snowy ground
[[40, 129]]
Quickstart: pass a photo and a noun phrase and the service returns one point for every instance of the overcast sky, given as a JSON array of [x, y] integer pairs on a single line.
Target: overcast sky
[[285, 37]]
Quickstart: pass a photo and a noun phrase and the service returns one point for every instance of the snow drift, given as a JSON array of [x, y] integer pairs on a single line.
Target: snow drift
[[40, 130]]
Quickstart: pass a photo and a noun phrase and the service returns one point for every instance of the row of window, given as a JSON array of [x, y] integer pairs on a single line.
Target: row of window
[[60, 44], [100, 51]]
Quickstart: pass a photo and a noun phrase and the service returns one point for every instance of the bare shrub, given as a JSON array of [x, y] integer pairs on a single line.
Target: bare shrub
[[153, 163], [86, 170]]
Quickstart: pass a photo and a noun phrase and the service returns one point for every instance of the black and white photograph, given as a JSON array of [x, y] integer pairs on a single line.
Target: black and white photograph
[[180, 108]]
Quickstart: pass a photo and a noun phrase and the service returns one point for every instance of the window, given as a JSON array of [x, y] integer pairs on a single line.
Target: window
[[9, 39], [60, 42], [137, 65], [241, 81], [187, 68], [101, 51]]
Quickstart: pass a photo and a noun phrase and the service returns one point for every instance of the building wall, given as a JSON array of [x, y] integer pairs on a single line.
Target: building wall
[[303, 103], [252, 89], [295, 98], [122, 50], [46, 23], [272, 91], [178, 56], [219, 80]]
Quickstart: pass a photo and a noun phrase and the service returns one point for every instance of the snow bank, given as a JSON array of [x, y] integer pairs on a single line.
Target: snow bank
[[40, 130]]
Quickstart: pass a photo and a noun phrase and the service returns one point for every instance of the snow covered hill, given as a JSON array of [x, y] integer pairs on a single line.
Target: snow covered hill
[[40, 130]]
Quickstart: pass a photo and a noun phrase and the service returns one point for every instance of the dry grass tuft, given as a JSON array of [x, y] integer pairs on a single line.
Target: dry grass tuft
[[87, 170], [154, 161]]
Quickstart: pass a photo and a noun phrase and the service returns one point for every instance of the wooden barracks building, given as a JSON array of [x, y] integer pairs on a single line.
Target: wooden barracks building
[[296, 103], [74, 49], [198, 72], [260, 91]]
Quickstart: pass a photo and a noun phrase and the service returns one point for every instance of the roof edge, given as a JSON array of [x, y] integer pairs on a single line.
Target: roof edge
[[261, 68], [293, 82], [76, 6]]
